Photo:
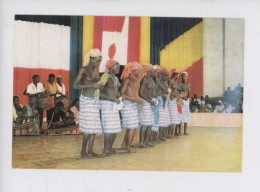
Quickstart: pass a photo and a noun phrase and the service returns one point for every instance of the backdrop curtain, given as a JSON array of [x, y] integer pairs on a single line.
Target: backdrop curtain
[[76, 34], [39, 48]]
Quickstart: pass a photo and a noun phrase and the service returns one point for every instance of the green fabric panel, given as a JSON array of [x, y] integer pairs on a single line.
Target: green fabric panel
[[76, 36]]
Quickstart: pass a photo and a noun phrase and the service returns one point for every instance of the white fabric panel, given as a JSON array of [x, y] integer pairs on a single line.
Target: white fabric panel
[[234, 65], [212, 57], [41, 45], [121, 41]]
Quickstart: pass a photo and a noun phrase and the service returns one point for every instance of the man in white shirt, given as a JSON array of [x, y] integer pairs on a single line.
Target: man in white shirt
[[35, 88], [60, 86]]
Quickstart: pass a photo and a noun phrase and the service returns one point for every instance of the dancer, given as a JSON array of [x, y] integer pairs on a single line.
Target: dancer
[[129, 93], [89, 116], [164, 116], [173, 109], [185, 106], [110, 106], [147, 94]]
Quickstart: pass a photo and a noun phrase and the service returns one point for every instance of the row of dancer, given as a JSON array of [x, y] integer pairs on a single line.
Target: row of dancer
[[149, 97]]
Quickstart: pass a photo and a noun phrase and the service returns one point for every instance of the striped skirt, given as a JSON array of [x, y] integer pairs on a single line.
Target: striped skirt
[[164, 116], [174, 114], [129, 114], [110, 119], [146, 115], [155, 128], [89, 116], [185, 116]]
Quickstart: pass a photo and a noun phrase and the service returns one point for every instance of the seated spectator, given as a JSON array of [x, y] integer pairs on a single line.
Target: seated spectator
[[57, 118], [197, 99], [227, 108], [34, 88], [75, 110], [32, 115], [219, 107], [194, 107], [60, 86], [202, 101], [208, 107], [17, 109]]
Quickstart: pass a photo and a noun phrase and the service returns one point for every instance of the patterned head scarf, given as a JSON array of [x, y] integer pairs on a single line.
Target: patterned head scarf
[[165, 70], [146, 67], [172, 72], [91, 53], [185, 73], [156, 67], [110, 63], [129, 68]]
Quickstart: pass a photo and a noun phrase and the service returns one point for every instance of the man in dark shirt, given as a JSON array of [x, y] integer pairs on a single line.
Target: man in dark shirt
[[56, 115]]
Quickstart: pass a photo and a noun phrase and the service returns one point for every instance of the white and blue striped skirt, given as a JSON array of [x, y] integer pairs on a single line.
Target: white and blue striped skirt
[[110, 119], [146, 115], [164, 116], [185, 115], [173, 110], [89, 116], [129, 114]]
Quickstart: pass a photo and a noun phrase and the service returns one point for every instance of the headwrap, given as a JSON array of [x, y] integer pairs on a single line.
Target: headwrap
[[156, 67], [111, 53], [146, 67], [172, 72], [165, 69], [185, 73], [91, 53], [110, 63], [129, 68], [59, 76]]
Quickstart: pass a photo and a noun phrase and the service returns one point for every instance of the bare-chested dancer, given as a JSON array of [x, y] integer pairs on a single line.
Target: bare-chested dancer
[[89, 115], [155, 128], [110, 107], [129, 93], [173, 110], [164, 119], [146, 115], [185, 88]]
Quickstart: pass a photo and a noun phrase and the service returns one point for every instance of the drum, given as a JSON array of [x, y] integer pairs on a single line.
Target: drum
[[43, 101], [65, 100], [24, 130], [17, 132]]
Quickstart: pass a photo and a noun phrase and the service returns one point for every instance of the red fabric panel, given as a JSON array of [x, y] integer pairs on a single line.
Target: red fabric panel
[[133, 51], [106, 23], [23, 76], [195, 78]]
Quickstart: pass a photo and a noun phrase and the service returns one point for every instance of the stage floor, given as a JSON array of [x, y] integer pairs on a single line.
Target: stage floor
[[217, 149]]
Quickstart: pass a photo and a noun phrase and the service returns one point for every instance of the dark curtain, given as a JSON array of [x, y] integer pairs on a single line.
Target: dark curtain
[[76, 35]]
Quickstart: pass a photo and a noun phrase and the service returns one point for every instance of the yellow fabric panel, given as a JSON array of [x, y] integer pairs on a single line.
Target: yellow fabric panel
[[145, 40], [183, 51], [88, 35]]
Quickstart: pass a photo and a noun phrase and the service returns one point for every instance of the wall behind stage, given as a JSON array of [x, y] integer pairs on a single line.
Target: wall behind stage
[[223, 54]]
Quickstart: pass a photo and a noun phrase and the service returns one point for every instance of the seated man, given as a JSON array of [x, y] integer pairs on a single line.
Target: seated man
[[32, 115], [75, 110], [57, 118], [17, 109], [219, 107]]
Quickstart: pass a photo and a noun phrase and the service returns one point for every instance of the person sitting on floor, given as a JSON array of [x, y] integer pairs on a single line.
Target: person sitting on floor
[[32, 115], [219, 107], [75, 110], [17, 109], [57, 118]]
